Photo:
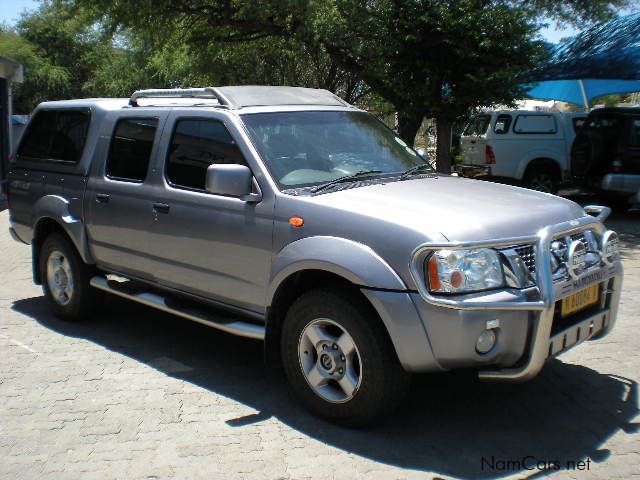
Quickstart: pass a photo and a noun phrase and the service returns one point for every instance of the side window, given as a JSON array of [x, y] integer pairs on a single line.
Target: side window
[[130, 149], [56, 135], [535, 124], [503, 122], [196, 144]]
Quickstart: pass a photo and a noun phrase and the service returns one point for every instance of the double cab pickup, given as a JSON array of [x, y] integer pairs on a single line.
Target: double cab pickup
[[287, 215]]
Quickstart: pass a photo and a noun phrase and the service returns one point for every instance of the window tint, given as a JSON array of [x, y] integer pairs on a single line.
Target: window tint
[[503, 122], [130, 150], [195, 145], [535, 124], [57, 135]]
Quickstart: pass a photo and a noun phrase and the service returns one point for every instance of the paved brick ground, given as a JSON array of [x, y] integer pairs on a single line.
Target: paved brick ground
[[139, 394]]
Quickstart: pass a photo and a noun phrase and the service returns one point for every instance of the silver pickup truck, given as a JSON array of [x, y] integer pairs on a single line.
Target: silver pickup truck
[[286, 215]]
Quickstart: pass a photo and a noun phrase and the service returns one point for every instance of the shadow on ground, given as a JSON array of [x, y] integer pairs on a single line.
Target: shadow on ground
[[447, 425]]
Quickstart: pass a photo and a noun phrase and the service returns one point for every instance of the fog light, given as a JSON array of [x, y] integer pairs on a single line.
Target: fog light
[[486, 341]]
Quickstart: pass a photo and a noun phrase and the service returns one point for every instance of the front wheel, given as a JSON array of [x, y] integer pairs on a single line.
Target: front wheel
[[338, 358]]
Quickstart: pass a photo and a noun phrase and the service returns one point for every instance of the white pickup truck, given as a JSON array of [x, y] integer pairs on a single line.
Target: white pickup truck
[[532, 147]]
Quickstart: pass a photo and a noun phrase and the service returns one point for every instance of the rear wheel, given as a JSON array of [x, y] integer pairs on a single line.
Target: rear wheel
[[542, 180], [338, 358], [65, 279]]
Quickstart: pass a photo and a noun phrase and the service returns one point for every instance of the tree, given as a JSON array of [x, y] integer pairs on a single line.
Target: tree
[[435, 58], [43, 77]]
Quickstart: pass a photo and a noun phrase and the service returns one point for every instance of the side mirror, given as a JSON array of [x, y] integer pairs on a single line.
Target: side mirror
[[232, 180]]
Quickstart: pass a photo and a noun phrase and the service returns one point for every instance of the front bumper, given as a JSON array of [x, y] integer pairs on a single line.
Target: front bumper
[[528, 331], [473, 171]]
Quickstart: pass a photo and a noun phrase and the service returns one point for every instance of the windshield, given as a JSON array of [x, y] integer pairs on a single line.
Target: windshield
[[304, 149]]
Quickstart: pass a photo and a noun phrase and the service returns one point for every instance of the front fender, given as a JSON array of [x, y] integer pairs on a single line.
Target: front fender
[[351, 260], [59, 209]]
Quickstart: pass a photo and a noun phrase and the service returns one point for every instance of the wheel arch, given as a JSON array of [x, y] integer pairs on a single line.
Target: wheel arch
[[540, 161], [53, 214], [291, 288]]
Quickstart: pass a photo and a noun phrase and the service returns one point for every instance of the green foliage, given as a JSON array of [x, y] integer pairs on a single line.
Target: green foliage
[[43, 77], [579, 13]]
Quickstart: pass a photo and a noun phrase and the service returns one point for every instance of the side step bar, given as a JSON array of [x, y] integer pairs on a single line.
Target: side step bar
[[235, 327]]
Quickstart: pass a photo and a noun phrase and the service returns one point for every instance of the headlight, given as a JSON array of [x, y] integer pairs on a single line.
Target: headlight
[[458, 271]]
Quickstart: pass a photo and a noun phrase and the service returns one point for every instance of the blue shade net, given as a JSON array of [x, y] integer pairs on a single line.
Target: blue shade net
[[605, 58]]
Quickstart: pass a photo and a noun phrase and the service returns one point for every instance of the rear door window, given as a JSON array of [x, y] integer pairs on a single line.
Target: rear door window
[[56, 135], [196, 144], [535, 123], [131, 147], [503, 122]]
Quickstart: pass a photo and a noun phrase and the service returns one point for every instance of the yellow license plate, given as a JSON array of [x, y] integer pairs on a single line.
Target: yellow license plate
[[579, 300]]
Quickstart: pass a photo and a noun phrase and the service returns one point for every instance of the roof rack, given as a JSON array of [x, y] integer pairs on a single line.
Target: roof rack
[[206, 92]]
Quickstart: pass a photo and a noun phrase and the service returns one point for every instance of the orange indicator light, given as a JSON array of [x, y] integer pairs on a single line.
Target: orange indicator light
[[434, 278], [296, 221]]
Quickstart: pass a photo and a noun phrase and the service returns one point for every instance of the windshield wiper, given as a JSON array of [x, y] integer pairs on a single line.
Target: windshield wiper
[[346, 178], [415, 170]]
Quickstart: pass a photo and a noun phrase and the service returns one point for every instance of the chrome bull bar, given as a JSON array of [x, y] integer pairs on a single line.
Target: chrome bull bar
[[541, 344]]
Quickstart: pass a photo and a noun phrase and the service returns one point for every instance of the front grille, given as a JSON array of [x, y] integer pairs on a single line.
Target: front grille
[[528, 256], [558, 248]]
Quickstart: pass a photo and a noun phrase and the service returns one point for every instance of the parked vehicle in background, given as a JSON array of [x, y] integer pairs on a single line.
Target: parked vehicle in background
[[286, 215], [606, 155], [531, 147]]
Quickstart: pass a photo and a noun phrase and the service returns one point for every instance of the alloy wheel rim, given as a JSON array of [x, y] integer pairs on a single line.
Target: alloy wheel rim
[[330, 360], [542, 183], [60, 278]]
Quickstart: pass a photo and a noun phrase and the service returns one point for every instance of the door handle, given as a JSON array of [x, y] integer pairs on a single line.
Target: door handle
[[161, 207], [102, 197]]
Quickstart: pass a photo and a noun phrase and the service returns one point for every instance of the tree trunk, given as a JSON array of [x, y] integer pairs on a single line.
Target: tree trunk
[[443, 147], [408, 125]]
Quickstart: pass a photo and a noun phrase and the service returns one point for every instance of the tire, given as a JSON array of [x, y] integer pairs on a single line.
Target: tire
[[65, 279], [376, 382], [542, 180]]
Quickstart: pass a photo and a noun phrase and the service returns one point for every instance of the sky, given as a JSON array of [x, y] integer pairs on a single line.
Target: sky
[[10, 11]]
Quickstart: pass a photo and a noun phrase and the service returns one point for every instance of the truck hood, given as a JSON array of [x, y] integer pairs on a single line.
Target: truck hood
[[460, 209]]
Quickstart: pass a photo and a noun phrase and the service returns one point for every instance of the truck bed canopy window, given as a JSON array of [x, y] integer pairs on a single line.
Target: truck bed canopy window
[[535, 124], [503, 122], [56, 135]]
